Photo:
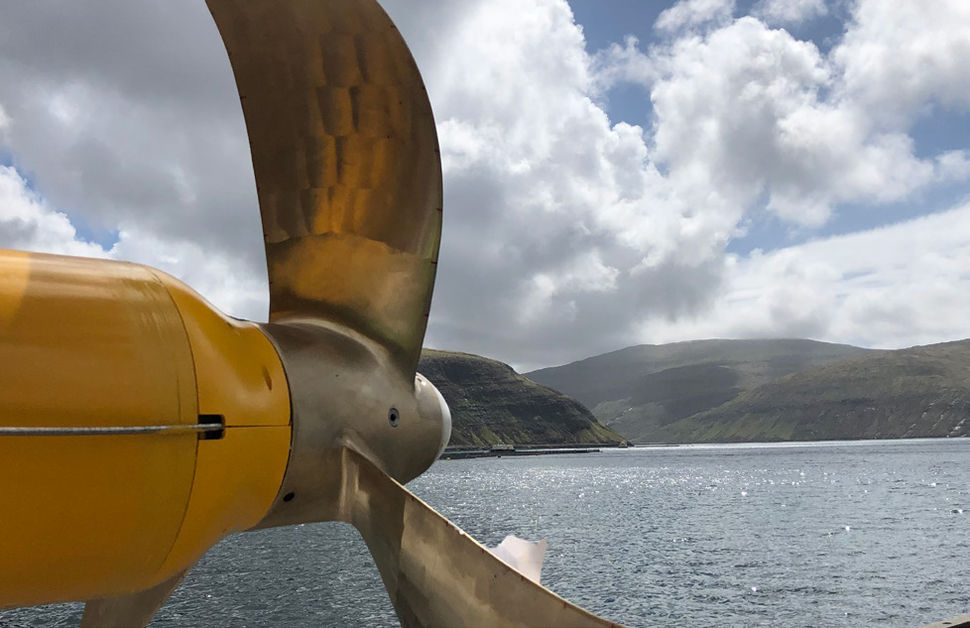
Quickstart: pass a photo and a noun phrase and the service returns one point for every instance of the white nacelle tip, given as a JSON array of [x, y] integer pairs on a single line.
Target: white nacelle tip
[[423, 388]]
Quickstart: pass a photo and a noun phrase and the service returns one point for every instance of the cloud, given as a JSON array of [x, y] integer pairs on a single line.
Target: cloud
[[622, 64], [895, 286], [693, 13], [747, 113], [953, 165], [28, 223], [559, 231], [900, 59], [789, 11], [541, 188], [126, 118], [216, 274]]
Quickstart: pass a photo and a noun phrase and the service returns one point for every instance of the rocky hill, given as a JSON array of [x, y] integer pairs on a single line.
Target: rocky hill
[[491, 403], [641, 391], [917, 392]]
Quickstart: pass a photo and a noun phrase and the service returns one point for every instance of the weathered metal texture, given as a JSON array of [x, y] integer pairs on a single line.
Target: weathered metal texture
[[435, 574], [346, 391], [346, 160]]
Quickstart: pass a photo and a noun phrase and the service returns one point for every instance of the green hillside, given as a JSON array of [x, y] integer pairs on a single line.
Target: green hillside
[[917, 392], [640, 391]]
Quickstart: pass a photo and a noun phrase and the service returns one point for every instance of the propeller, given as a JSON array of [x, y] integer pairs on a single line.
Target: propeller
[[348, 176]]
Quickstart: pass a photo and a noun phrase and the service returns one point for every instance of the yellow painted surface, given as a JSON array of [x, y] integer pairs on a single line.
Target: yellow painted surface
[[238, 373], [236, 480], [14, 272], [85, 517], [89, 343], [239, 377]]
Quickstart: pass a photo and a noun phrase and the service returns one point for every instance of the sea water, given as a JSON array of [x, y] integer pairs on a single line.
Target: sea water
[[801, 534]]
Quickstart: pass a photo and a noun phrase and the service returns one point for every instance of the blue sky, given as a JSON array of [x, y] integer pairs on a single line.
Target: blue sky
[[936, 130], [759, 168]]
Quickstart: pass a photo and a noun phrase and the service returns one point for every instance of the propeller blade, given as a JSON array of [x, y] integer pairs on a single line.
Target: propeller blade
[[348, 174], [437, 575], [347, 166], [129, 611]]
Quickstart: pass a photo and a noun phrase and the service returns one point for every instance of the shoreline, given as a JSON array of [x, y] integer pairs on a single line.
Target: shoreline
[[497, 451], [461, 453]]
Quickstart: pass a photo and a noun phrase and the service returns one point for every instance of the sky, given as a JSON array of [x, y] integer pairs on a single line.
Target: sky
[[616, 172]]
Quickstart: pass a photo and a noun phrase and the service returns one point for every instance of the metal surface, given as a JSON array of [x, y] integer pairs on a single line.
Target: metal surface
[[349, 181], [107, 431], [345, 155], [435, 574], [343, 388], [129, 611]]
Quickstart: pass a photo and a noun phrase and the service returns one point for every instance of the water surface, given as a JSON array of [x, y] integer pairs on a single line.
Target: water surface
[[808, 534]]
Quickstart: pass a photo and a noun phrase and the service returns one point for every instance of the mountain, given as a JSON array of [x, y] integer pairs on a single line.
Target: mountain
[[491, 403], [917, 392], [640, 391]]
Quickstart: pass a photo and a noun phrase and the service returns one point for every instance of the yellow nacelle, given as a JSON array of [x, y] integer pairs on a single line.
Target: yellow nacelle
[[93, 343]]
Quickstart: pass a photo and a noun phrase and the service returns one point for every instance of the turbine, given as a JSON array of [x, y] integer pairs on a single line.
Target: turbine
[[140, 425]]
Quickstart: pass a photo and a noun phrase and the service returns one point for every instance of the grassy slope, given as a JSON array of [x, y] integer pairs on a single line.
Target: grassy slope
[[640, 391], [922, 391]]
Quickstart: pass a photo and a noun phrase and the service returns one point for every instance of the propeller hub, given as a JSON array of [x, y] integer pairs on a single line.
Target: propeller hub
[[347, 391]]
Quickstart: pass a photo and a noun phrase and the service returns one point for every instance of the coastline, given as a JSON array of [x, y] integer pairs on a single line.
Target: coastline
[[497, 451]]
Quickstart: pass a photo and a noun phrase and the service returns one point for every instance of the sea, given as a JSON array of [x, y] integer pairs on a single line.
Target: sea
[[794, 534]]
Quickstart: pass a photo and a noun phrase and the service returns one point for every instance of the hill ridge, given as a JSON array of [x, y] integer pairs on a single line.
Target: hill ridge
[[638, 390]]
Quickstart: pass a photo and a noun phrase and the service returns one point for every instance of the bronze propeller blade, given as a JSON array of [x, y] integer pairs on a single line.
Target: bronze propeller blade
[[436, 574], [346, 160]]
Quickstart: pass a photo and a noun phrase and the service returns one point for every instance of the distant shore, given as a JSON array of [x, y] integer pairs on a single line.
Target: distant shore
[[497, 451]]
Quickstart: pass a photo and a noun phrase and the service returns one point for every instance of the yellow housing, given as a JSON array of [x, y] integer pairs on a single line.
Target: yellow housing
[[97, 343]]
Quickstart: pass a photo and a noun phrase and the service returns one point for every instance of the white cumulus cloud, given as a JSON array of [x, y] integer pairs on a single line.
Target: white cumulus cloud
[[692, 13], [895, 286], [789, 11], [900, 58], [28, 223]]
